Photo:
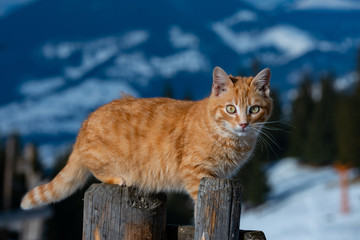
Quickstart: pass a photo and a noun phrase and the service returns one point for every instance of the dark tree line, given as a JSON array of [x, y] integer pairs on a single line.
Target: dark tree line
[[326, 131]]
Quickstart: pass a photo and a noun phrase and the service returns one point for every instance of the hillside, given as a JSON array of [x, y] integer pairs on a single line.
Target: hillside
[[304, 203]]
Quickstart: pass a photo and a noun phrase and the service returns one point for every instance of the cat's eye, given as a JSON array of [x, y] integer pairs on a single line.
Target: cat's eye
[[231, 109], [254, 109]]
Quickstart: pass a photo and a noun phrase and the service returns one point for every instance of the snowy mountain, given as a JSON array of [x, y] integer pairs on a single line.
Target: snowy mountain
[[304, 203], [60, 60]]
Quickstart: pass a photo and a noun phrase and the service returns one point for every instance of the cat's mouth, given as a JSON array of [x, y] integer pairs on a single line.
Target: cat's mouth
[[241, 131]]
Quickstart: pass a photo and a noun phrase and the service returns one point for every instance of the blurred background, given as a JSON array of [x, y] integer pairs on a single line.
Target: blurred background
[[60, 60]]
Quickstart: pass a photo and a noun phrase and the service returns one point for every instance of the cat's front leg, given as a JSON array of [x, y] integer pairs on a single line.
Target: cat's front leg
[[192, 185]]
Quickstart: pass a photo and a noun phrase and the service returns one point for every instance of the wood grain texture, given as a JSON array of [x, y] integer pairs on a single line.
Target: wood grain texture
[[113, 212], [175, 232], [252, 235], [218, 210]]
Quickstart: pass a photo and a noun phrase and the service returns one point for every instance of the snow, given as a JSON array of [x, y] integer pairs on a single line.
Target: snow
[[267, 5], [346, 81], [188, 60], [131, 67], [327, 5], [137, 67], [90, 60], [305, 204], [291, 42], [94, 52], [180, 39], [97, 52], [240, 16], [288, 41], [60, 112], [36, 88], [340, 5]]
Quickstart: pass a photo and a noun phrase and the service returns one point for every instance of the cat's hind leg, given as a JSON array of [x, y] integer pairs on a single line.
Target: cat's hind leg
[[110, 180], [115, 180]]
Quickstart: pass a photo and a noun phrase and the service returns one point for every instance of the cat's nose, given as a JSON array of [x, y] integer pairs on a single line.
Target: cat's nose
[[243, 125]]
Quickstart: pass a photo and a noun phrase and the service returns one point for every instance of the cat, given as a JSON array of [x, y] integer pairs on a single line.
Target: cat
[[162, 144]]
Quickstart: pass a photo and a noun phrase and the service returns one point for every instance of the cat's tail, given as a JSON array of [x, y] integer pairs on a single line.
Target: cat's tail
[[72, 177]]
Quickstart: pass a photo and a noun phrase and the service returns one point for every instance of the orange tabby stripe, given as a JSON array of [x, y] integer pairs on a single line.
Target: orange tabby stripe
[[42, 190], [32, 198]]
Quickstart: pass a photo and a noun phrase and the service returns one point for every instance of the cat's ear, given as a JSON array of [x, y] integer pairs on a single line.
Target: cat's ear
[[221, 82], [262, 82]]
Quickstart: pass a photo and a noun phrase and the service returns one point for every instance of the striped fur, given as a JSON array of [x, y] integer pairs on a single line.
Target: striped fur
[[162, 144], [68, 180]]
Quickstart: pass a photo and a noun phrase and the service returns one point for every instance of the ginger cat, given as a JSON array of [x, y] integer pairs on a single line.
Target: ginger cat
[[161, 144]]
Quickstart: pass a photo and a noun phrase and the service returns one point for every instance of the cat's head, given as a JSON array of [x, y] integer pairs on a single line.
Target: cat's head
[[240, 105]]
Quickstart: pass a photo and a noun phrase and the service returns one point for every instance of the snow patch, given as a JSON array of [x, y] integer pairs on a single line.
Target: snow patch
[[37, 88], [267, 5], [274, 45], [180, 39], [326, 5], [290, 42], [60, 112], [346, 81], [188, 60], [239, 17], [132, 67], [60, 51], [93, 53], [90, 60]]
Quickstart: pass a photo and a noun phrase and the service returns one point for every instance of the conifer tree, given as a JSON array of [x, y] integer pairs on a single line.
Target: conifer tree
[[347, 125], [254, 182], [347, 132], [168, 90], [320, 146], [301, 115]]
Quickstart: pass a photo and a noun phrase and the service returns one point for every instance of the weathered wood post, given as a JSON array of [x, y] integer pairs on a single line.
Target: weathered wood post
[[115, 212], [9, 169], [218, 210]]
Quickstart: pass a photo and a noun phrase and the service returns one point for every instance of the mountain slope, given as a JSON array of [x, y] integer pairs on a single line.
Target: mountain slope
[[305, 204]]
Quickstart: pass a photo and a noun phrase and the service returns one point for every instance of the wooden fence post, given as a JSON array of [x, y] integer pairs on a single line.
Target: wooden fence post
[[218, 210], [9, 169], [115, 212]]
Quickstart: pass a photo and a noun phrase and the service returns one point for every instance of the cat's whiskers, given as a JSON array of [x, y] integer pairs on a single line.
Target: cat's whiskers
[[270, 126], [265, 137]]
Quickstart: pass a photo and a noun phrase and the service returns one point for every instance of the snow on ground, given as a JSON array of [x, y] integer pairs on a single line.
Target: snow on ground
[[305, 204]]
